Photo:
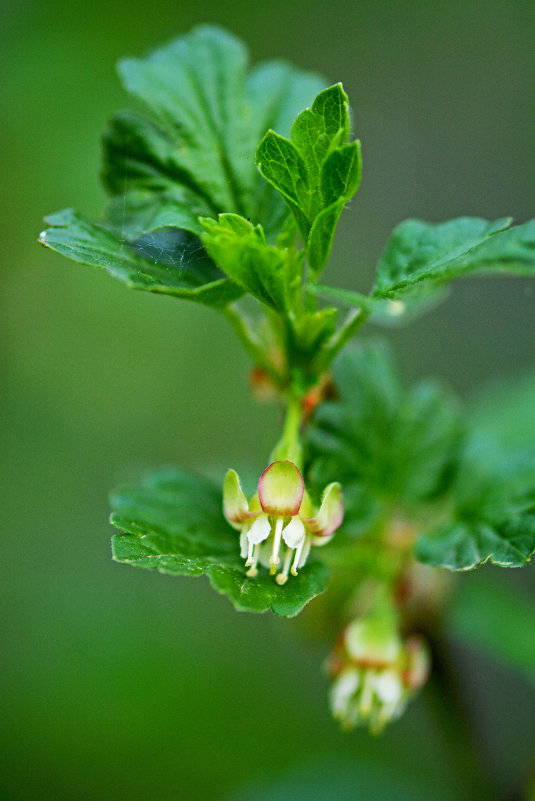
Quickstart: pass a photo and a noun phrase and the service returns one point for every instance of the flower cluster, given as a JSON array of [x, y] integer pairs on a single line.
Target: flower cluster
[[375, 673], [279, 517]]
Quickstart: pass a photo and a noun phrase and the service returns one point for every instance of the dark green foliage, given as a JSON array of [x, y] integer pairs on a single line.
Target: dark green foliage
[[390, 447], [174, 523]]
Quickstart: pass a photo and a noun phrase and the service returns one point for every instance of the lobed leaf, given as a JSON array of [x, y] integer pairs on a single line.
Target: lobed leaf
[[464, 545], [493, 511], [316, 171], [189, 151], [420, 253], [386, 445], [174, 523], [152, 263]]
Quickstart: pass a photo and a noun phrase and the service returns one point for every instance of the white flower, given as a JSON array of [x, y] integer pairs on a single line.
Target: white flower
[[280, 517], [375, 673]]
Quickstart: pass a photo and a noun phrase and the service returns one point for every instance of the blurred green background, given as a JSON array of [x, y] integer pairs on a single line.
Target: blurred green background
[[125, 684]]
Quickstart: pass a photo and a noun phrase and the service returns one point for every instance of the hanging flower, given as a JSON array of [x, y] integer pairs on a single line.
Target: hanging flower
[[375, 673], [280, 518]]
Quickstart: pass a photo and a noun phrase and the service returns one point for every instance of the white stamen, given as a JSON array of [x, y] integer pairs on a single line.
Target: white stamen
[[298, 552], [253, 571], [250, 554], [274, 561], [282, 578], [305, 552]]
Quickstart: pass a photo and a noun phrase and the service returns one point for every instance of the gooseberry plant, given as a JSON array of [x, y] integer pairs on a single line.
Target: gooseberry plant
[[236, 180]]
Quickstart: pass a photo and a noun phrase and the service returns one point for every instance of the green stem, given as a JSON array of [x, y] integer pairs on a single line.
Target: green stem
[[246, 336], [354, 320], [289, 445]]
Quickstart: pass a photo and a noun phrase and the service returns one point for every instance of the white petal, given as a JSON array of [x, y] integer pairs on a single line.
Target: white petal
[[294, 532], [388, 687], [243, 544], [343, 688], [260, 530]]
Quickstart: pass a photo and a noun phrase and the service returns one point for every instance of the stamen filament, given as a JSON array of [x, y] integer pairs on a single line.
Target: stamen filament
[[282, 578], [253, 571], [298, 552], [249, 561], [274, 561]]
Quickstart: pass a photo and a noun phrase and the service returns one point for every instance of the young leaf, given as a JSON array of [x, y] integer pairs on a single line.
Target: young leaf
[[270, 273], [386, 445], [190, 152], [493, 515], [174, 523], [152, 263], [206, 117], [316, 172], [420, 253]]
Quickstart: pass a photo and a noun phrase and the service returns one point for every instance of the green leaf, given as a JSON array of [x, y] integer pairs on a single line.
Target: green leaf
[[386, 445], [189, 151], [431, 254], [155, 263], [464, 545], [493, 511], [206, 117], [316, 172], [270, 273], [174, 523], [495, 618]]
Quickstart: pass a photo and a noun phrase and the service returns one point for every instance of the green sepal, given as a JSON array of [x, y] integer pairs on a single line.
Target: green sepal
[[316, 172], [173, 523], [99, 245]]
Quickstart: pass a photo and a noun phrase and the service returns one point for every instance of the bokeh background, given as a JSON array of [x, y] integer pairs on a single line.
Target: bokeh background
[[125, 684]]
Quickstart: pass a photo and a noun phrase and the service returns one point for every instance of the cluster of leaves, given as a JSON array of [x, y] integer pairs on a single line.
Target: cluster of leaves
[[222, 187], [398, 452], [207, 196], [409, 454], [190, 214]]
